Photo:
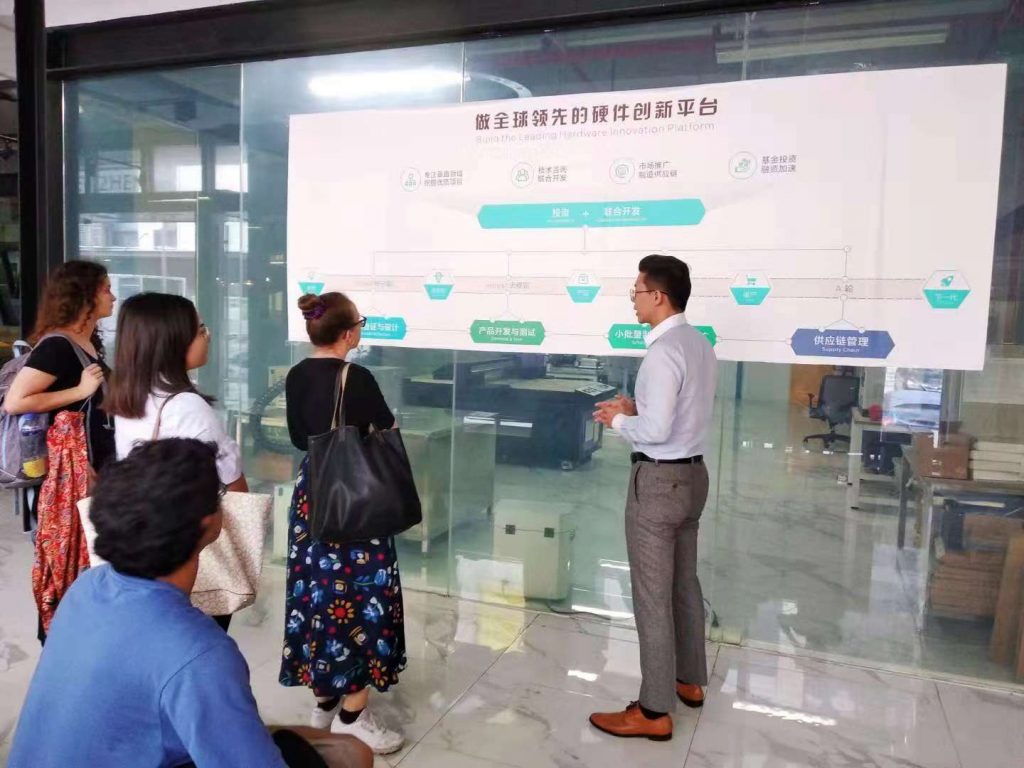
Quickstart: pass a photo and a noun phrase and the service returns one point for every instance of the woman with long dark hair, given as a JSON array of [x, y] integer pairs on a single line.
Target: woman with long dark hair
[[160, 338], [63, 377], [344, 631]]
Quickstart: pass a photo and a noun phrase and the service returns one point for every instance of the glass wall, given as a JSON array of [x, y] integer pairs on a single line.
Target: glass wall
[[156, 158], [182, 186]]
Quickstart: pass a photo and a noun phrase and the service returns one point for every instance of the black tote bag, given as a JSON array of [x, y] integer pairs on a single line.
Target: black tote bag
[[360, 488]]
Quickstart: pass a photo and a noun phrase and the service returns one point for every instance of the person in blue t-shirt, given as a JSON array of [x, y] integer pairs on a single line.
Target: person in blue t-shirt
[[132, 676]]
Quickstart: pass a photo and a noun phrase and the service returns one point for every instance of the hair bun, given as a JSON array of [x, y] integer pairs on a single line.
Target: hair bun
[[308, 302], [313, 307]]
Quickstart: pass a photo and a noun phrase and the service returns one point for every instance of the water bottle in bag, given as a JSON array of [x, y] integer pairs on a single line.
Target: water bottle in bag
[[33, 427]]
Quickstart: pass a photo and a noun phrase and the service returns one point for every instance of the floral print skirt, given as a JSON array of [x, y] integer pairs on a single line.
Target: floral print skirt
[[343, 610]]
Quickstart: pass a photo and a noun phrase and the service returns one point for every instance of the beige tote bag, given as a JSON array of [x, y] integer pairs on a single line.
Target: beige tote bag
[[230, 568]]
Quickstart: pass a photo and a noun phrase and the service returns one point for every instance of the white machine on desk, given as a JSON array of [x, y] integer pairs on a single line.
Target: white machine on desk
[[538, 534]]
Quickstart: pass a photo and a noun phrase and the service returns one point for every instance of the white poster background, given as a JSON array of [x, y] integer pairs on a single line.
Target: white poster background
[[895, 178]]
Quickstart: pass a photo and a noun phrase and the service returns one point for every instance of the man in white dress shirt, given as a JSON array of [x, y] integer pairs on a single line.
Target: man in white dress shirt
[[667, 425]]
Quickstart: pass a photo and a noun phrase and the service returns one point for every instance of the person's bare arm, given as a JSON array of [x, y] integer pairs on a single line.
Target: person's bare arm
[[239, 486], [28, 391]]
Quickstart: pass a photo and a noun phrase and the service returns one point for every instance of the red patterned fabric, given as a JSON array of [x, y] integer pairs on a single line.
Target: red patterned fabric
[[61, 550]]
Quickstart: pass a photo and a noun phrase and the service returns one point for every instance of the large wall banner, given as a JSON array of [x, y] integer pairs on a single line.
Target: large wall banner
[[843, 219]]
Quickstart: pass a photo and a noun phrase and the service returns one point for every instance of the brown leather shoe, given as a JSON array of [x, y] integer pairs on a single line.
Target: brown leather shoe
[[632, 724], [691, 695]]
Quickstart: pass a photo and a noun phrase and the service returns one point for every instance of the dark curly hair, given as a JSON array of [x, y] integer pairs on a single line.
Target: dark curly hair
[[148, 508], [70, 292]]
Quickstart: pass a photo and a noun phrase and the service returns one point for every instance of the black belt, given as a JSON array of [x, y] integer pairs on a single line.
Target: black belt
[[635, 457]]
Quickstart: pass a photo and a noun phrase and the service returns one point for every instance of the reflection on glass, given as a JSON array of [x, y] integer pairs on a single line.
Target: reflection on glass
[[177, 168], [913, 397], [813, 545]]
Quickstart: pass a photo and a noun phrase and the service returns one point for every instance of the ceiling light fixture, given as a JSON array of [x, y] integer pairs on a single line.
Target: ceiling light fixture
[[365, 84], [826, 43]]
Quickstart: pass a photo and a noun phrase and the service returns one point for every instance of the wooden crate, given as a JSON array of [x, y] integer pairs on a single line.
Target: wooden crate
[[1006, 642]]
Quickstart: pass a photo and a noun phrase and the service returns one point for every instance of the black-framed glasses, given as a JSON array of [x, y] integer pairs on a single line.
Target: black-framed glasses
[[633, 292], [361, 322]]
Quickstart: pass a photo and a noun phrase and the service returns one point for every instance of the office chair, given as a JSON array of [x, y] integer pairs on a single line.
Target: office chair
[[837, 399]]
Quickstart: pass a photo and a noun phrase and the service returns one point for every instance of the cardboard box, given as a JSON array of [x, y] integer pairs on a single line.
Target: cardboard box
[[990, 533], [947, 456], [965, 585]]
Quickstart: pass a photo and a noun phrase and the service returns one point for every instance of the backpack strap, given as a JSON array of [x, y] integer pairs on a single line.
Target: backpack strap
[[85, 361], [80, 353]]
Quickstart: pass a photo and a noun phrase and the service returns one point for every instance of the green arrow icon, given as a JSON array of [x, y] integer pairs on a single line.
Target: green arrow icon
[[528, 333], [945, 299], [583, 294], [628, 336], [623, 213], [709, 333], [634, 335], [748, 296], [391, 328], [438, 291]]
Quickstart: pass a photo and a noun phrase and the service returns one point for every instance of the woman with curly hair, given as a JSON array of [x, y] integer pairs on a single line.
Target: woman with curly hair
[[63, 377], [76, 297]]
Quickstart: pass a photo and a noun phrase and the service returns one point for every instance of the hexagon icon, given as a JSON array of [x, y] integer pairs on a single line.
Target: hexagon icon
[[583, 287], [438, 284], [751, 288], [946, 289]]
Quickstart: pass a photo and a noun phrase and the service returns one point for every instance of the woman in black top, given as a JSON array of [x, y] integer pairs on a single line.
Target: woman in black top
[[344, 616], [63, 377], [77, 296]]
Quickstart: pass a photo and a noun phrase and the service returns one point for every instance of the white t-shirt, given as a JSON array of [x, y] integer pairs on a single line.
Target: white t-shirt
[[186, 415]]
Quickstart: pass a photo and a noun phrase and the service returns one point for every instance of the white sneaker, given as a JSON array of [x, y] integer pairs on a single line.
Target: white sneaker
[[321, 718], [371, 732]]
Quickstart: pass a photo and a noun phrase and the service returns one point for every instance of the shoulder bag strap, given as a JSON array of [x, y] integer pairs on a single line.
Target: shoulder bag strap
[[159, 415], [338, 416]]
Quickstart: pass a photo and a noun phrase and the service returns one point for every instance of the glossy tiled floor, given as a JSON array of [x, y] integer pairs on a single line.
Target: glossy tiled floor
[[786, 566], [784, 562], [495, 686]]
